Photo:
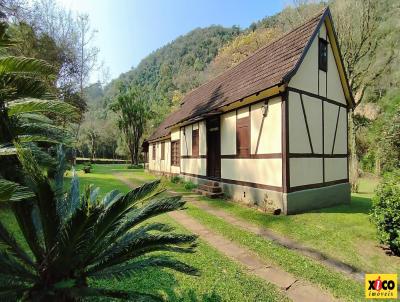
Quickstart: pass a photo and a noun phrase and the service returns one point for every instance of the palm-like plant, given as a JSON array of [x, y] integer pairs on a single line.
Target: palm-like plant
[[73, 239], [28, 109], [27, 98]]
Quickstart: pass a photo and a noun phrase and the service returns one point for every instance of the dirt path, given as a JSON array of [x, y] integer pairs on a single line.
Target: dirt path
[[296, 290], [280, 240]]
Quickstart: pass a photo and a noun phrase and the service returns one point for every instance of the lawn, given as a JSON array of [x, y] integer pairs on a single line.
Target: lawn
[[347, 234], [221, 279], [342, 232], [291, 261]]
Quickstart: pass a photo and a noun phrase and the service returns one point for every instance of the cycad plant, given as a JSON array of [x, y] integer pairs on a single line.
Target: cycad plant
[[74, 238]]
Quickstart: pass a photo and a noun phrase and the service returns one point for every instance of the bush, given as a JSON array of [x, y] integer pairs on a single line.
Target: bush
[[87, 169], [176, 179], [135, 166], [189, 186], [386, 211]]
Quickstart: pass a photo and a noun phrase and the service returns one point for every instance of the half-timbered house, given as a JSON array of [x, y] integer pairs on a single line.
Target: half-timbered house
[[271, 129]]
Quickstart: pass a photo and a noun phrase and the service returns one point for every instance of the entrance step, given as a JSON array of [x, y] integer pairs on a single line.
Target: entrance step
[[212, 183], [210, 189]]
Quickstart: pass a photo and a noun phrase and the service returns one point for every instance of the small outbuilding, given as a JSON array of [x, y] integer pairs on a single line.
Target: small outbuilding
[[272, 129]]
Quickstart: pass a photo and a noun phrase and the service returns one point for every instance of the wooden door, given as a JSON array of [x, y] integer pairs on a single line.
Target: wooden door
[[213, 148]]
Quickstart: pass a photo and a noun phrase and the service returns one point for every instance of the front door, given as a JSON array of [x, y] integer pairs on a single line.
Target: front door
[[213, 148]]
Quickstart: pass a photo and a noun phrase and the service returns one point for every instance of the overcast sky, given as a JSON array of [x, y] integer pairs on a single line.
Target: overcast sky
[[129, 30]]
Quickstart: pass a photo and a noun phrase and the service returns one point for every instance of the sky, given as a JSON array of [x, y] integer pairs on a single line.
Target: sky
[[129, 30]]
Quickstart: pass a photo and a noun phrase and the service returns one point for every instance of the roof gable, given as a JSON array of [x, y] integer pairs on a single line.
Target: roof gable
[[272, 65]]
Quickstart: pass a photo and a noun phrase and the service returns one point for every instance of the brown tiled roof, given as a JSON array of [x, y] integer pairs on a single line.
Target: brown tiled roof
[[267, 67]]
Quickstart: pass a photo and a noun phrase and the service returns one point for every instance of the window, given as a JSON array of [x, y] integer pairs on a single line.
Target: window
[[243, 136], [154, 152], [323, 55], [195, 142], [175, 153], [162, 150]]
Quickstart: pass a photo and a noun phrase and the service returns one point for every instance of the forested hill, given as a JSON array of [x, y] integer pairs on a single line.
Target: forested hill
[[174, 69], [369, 43], [170, 72]]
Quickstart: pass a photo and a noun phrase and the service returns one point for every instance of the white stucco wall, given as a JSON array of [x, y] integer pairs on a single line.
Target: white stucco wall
[[175, 134], [202, 138], [228, 133], [305, 171], [306, 77], [260, 171], [197, 166], [160, 165], [186, 140], [270, 135]]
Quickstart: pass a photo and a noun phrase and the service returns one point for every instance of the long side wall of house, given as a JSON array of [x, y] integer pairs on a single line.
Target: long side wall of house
[[263, 165], [191, 164], [250, 177], [158, 164], [317, 123]]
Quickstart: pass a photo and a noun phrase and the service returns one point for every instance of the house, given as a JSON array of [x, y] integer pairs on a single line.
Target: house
[[272, 129]]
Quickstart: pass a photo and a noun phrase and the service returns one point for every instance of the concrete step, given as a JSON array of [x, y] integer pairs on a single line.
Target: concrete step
[[209, 194], [212, 183], [210, 189], [213, 195]]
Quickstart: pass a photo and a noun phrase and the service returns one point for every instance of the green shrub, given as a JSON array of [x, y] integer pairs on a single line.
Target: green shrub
[[176, 179], [386, 211], [139, 166], [368, 161], [189, 186], [87, 168]]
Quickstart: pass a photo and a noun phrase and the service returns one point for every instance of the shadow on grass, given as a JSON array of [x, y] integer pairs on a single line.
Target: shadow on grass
[[161, 282], [358, 204]]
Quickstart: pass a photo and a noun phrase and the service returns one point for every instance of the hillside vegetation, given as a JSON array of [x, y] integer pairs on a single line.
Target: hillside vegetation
[[369, 43]]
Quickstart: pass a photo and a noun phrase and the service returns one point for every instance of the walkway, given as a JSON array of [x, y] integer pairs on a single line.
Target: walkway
[[280, 240], [296, 290]]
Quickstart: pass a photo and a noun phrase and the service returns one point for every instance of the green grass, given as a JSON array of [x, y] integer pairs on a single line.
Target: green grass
[[221, 279], [342, 232], [291, 261]]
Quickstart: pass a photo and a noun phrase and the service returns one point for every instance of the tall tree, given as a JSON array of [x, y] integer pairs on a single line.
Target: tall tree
[[369, 40], [133, 111]]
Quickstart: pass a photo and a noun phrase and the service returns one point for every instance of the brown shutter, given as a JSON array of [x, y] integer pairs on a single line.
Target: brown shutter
[[195, 142], [154, 152], [178, 153], [243, 137], [175, 153], [162, 150]]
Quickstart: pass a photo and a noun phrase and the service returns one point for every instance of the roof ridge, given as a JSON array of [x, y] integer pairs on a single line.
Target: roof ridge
[[319, 15], [267, 66]]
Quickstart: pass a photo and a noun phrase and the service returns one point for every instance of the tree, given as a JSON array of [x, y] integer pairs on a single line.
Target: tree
[[240, 48], [74, 239], [86, 54], [369, 42], [25, 99], [133, 112]]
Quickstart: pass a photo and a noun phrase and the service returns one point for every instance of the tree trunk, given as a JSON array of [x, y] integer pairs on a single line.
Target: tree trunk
[[92, 153], [353, 153]]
